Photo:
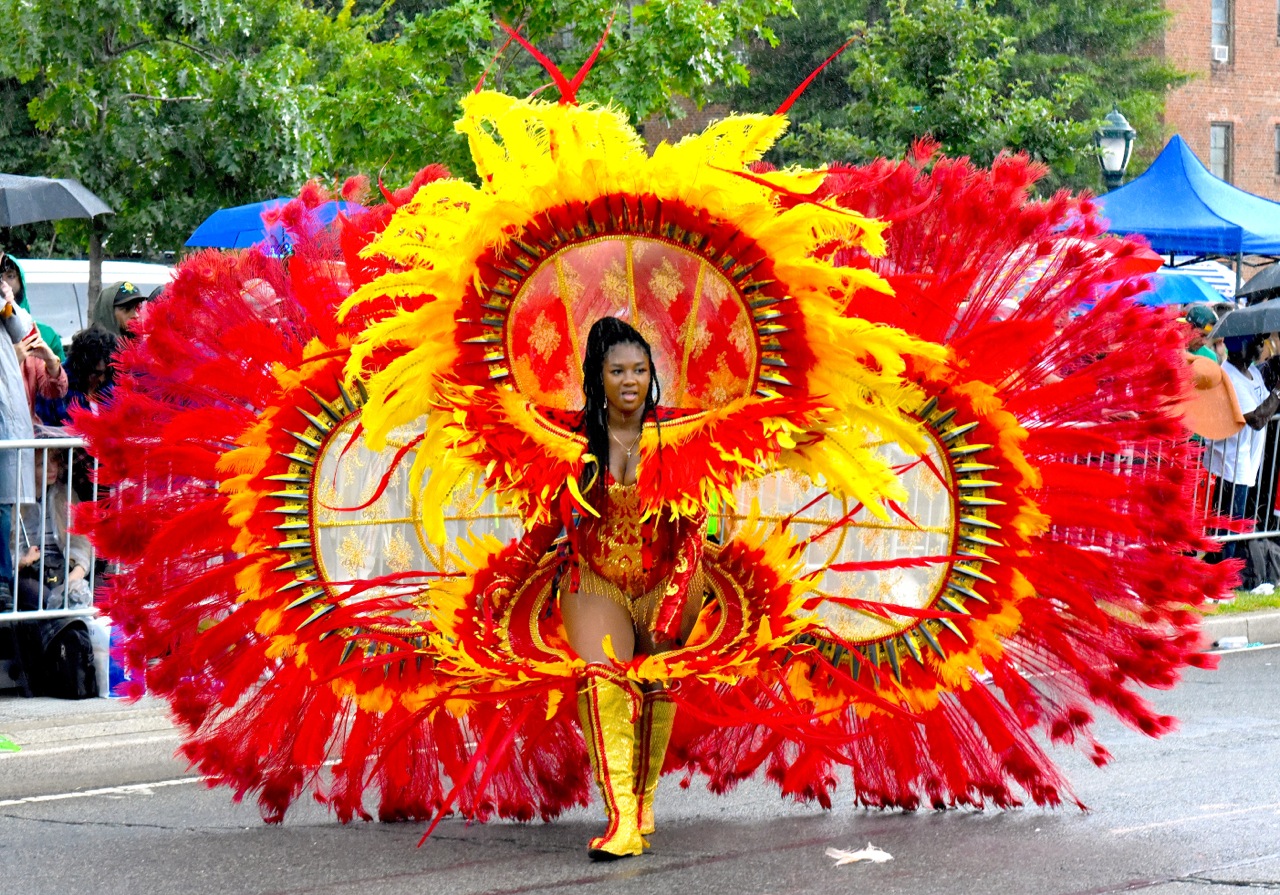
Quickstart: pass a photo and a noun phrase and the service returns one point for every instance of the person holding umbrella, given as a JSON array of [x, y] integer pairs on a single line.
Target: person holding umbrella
[[1236, 461], [17, 479]]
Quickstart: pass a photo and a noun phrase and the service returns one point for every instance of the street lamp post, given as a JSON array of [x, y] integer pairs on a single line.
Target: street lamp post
[[1114, 142]]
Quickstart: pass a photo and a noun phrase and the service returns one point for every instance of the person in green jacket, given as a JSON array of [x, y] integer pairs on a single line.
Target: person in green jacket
[[11, 272]]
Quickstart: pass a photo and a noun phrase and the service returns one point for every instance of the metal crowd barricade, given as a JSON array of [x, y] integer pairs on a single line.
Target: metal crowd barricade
[[1255, 505], [1254, 502], [23, 525]]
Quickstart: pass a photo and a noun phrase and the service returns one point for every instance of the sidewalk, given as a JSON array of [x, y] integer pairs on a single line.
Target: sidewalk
[[1255, 627], [18, 714]]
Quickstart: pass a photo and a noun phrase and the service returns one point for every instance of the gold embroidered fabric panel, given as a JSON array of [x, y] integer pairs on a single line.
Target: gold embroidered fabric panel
[[354, 542], [612, 557], [863, 538], [696, 322], [613, 547]]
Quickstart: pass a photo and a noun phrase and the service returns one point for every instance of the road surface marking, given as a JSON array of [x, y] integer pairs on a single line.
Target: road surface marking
[[1190, 818], [143, 789], [29, 751]]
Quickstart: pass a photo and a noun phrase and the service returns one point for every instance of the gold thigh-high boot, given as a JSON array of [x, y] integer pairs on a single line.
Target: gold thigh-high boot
[[606, 706], [653, 733]]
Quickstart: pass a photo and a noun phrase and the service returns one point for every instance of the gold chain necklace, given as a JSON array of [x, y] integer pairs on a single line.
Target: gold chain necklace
[[629, 450]]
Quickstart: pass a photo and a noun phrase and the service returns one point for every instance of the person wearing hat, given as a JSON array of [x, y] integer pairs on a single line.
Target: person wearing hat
[[1235, 461], [116, 307], [1202, 319]]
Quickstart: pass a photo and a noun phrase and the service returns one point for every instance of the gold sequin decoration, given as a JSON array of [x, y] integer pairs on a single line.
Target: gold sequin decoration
[[352, 555], [621, 540], [664, 282], [615, 287], [741, 335], [397, 554], [326, 509], [544, 338], [701, 340], [722, 385]]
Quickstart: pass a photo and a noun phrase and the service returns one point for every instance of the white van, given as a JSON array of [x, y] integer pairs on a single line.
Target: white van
[[58, 288]]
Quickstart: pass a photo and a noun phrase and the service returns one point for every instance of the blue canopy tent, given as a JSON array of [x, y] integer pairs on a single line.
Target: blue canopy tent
[[242, 226], [1182, 209]]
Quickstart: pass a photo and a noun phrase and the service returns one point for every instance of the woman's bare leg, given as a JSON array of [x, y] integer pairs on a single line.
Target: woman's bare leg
[[647, 644], [588, 619]]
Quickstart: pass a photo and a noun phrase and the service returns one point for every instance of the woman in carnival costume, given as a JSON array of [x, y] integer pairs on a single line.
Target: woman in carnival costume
[[379, 531]]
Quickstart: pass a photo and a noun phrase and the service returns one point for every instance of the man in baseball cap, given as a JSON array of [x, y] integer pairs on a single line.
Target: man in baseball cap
[[116, 307], [1201, 319]]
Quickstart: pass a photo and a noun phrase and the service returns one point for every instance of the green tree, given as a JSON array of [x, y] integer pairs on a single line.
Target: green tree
[[170, 109], [166, 110], [979, 77]]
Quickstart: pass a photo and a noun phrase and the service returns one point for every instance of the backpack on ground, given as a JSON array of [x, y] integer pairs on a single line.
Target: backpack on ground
[[68, 667]]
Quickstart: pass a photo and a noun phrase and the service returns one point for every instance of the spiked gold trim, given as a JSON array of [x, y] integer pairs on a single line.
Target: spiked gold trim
[[298, 501], [961, 584]]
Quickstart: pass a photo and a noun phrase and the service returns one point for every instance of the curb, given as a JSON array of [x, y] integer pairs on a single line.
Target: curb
[[1253, 627]]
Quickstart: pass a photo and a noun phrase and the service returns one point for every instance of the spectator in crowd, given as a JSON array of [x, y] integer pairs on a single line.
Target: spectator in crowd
[[17, 483], [1236, 461], [54, 573], [116, 307], [1223, 308], [54, 564], [42, 373], [90, 374], [1202, 319], [11, 273]]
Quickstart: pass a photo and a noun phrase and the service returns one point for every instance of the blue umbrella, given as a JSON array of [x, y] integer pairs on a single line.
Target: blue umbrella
[[242, 226], [1171, 286]]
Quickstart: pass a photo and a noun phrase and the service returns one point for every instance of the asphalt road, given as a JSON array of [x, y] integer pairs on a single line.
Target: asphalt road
[[95, 804]]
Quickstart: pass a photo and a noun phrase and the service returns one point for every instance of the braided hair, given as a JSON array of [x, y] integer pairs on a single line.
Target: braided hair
[[605, 334]]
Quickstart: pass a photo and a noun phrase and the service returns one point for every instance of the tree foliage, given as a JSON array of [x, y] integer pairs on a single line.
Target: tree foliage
[[979, 77], [170, 109]]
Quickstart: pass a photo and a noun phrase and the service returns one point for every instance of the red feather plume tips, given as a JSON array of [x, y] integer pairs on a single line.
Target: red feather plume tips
[[1094, 578], [1090, 591], [193, 447]]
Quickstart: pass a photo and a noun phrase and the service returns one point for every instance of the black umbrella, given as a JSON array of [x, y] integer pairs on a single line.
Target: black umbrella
[[25, 200], [1262, 285], [1260, 318]]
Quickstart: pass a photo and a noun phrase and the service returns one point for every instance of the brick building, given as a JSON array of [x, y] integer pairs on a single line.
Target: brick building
[[1229, 113]]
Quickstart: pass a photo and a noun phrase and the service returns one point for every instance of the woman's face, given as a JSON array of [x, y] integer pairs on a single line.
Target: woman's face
[[626, 377], [10, 275], [55, 468], [97, 377]]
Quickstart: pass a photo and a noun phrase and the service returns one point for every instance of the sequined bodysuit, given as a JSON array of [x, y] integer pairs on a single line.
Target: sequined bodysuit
[[647, 564]]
